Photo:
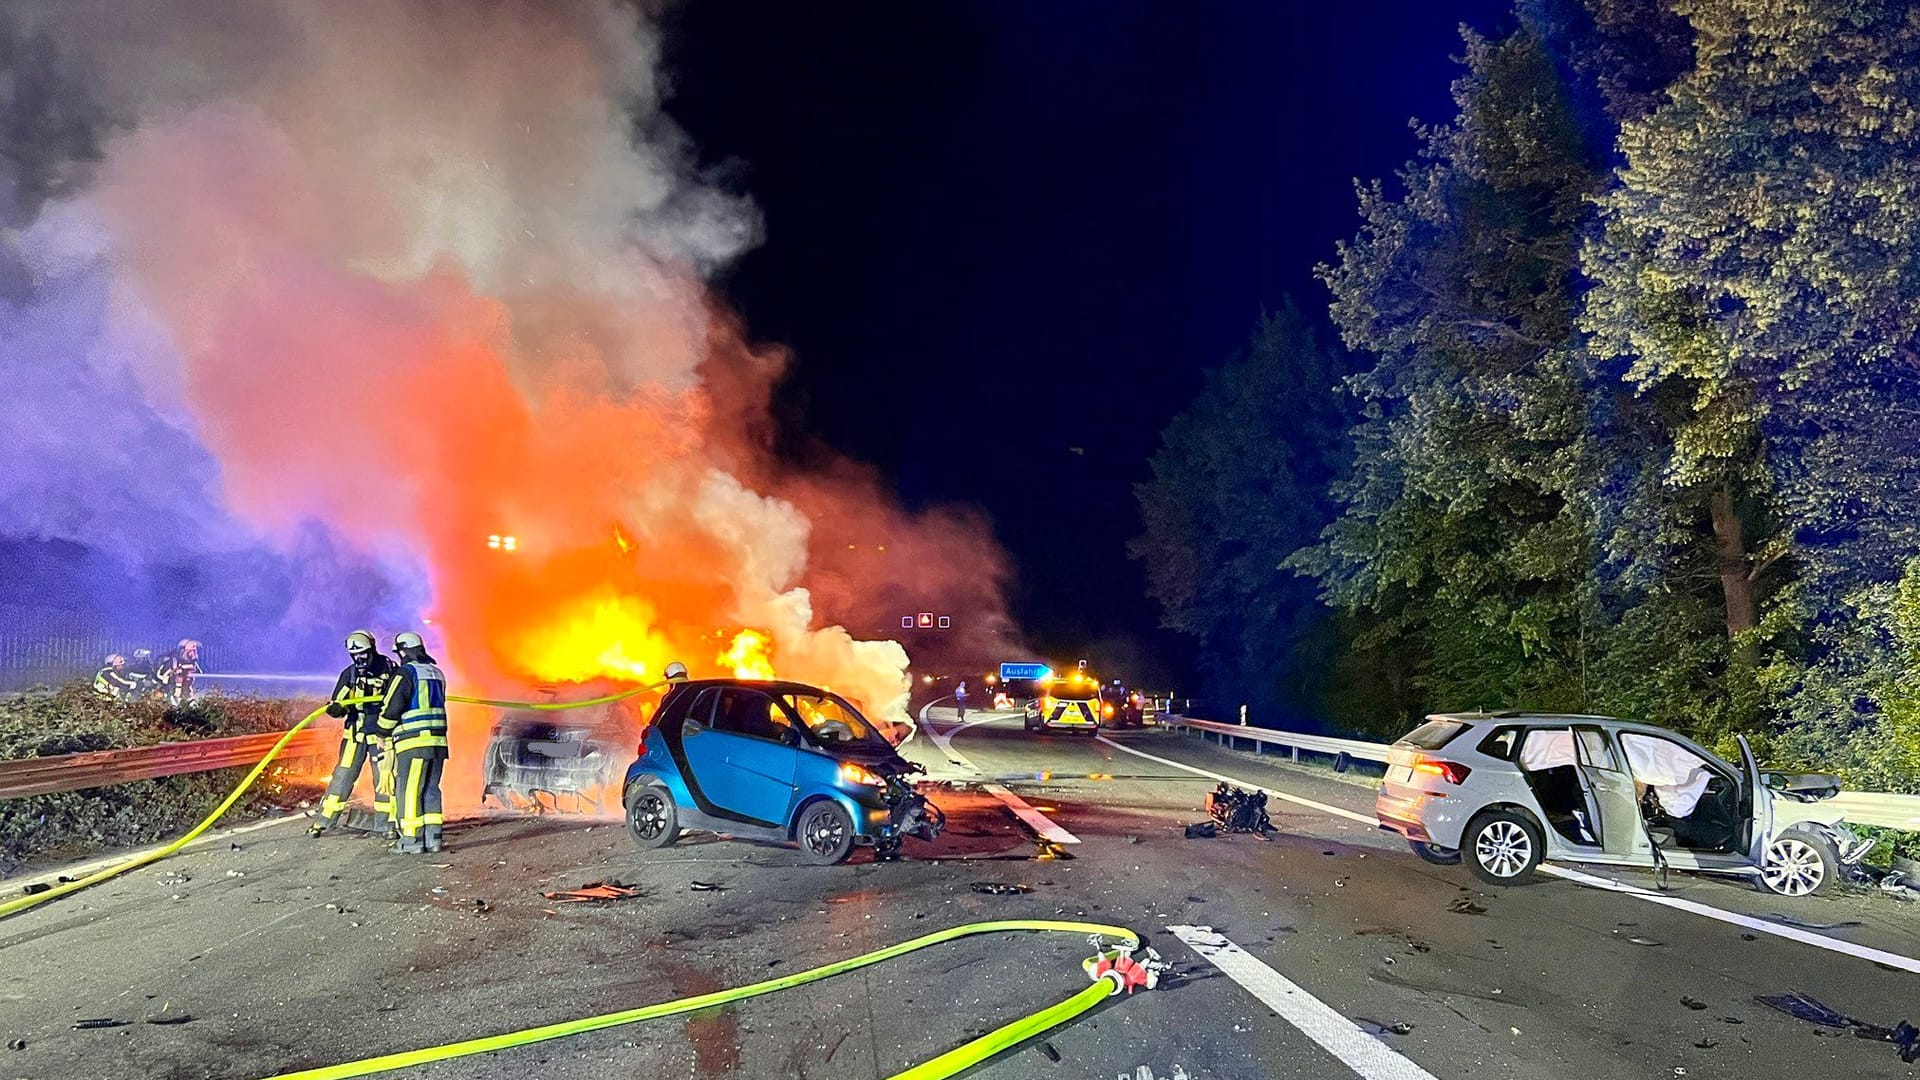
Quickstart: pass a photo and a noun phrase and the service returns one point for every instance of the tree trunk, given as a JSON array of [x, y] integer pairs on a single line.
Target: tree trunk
[[1731, 544]]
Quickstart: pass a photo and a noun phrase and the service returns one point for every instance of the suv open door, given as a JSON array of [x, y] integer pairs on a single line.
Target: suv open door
[[1758, 804]]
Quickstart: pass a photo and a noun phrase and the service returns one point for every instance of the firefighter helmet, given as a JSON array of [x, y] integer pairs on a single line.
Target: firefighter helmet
[[115, 660], [187, 644], [360, 641], [676, 672], [407, 639]]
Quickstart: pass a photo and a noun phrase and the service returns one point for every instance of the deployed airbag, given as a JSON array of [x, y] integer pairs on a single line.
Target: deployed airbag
[[1678, 776]]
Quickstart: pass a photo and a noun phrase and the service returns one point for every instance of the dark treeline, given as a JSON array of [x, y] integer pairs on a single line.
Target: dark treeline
[[1627, 419]]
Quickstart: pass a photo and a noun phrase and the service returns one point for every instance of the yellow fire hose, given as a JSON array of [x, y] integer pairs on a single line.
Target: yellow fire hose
[[947, 1064]]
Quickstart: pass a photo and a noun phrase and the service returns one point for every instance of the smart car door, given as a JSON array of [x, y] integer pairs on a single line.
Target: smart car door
[[758, 746], [1610, 792]]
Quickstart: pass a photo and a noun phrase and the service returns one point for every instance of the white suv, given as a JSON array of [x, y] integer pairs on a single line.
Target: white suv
[[1510, 789]]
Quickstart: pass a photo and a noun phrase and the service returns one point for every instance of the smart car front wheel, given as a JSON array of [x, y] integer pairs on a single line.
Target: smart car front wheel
[[1799, 862]]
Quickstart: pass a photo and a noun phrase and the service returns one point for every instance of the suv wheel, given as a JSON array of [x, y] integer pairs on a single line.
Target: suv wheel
[[825, 833], [1502, 847], [1434, 853], [1799, 862], [652, 819]]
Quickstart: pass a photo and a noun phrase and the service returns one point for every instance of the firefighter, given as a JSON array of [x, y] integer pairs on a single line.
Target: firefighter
[[176, 671], [141, 668], [113, 681], [417, 709], [360, 695]]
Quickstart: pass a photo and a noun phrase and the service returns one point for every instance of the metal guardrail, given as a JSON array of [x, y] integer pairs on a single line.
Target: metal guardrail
[[1878, 808], [103, 768], [1231, 735]]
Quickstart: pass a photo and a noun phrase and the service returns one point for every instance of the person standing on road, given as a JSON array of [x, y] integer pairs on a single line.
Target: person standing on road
[[177, 670], [417, 709], [960, 698], [360, 695]]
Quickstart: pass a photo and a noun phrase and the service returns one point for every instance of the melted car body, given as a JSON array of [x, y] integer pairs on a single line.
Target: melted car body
[[773, 760]]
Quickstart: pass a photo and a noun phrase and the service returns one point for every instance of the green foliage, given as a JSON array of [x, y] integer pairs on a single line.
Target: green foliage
[[1237, 485], [75, 720], [1457, 534]]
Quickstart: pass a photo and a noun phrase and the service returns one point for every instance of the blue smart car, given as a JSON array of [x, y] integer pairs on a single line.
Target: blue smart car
[[773, 760]]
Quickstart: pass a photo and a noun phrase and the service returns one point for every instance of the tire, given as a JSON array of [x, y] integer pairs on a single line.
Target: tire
[[1435, 854], [824, 832], [1502, 847], [1799, 862], [1033, 727], [652, 819]]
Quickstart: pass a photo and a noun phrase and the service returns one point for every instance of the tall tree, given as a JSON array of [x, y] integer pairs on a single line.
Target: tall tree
[[1239, 483], [1457, 537], [1756, 271]]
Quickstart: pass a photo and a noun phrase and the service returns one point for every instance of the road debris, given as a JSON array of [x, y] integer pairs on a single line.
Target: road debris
[[99, 1022], [1233, 810], [1047, 1049], [594, 891], [1376, 1028], [177, 1018], [1809, 924], [1203, 831], [36, 887], [707, 886], [16, 1044], [1904, 1036], [1000, 888], [1463, 906], [1648, 942], [1693, 1003]]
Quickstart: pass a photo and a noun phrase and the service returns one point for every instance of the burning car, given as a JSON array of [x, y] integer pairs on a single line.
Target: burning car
[[773, 760], [1502, 791], [564, 760]]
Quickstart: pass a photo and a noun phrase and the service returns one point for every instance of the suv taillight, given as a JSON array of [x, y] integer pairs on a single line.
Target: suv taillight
[[1451, 771]]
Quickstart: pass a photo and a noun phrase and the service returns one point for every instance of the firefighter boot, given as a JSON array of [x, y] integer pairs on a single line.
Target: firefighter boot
[[430, 837], [410, 845]]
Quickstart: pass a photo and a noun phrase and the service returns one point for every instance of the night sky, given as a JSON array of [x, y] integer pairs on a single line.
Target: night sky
[[977, 213]]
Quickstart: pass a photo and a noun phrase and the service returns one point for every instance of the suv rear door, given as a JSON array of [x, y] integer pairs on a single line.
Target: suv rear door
[[1610, 790]]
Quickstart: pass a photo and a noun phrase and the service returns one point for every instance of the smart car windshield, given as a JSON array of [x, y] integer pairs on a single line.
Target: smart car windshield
[[829, 720]]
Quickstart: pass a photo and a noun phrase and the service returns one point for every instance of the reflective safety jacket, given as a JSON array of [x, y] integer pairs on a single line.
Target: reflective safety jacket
[[380, 680], [417, 710], [113, 682]]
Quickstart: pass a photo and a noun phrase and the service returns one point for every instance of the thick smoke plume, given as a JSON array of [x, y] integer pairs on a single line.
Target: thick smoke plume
[[419, 274]]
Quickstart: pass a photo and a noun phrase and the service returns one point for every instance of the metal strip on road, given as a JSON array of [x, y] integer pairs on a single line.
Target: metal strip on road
[[1367, 1056], [1035, 820], [1748, 922]]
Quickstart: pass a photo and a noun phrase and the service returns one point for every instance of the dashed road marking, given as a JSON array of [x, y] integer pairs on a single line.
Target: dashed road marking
[[1367, 1056], [1746, 922]]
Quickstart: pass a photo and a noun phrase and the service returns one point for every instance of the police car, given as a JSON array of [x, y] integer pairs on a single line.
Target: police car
[[1069, 702]]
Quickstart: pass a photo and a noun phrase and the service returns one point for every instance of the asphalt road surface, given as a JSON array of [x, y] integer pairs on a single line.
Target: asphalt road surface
[[291, 953]]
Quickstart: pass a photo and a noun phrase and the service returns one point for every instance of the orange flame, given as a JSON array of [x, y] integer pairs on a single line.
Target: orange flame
[[750, 656]]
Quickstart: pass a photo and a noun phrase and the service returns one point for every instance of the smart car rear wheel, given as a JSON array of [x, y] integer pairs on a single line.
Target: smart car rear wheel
[[1799, 862], [825, 833], [1502, 847], [651, 816], [1434, 853]]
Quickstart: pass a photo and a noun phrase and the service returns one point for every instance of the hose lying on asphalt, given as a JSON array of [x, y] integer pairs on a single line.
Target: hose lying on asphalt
[[66, 888], [947, 1064]]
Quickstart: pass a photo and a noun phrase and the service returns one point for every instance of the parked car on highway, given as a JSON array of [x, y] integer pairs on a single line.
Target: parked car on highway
[[1507, 790], [773, 760], [1068, 703]]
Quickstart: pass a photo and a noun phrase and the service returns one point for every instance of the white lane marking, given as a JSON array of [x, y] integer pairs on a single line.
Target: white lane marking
[[1035, 820], [1765, 926], [1325, 808], [50, 877], [1367, 1056], [1748, 922], [945, 742]]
